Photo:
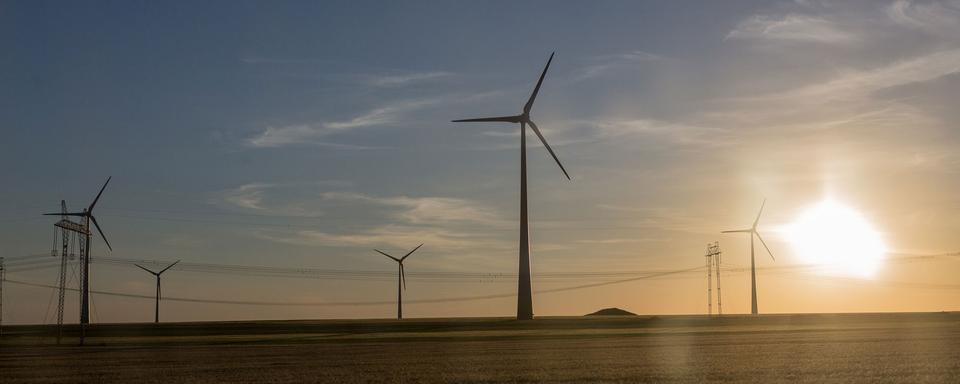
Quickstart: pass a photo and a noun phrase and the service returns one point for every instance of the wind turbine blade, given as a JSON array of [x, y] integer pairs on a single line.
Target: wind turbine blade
[[759, 213], [544, 141], [507, 119], [403, 277], [738, 231], [63, 206], [765, 246], [536, 90], [95, 224], [145, 269], [410, 253], [382, 253], [98, 194], [168, 267], [65, 214]]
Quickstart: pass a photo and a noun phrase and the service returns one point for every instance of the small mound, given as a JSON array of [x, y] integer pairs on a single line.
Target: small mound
[[611, 312]]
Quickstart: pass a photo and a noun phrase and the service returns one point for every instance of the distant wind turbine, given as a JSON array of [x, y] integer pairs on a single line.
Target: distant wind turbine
[[401, 278], [524, 291], [753, 268], [156, 313]]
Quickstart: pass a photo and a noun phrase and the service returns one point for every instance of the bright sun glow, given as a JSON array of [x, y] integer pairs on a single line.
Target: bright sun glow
[[838, 238]]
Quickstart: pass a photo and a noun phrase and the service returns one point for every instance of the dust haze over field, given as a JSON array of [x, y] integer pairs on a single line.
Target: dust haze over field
[[866, 348]]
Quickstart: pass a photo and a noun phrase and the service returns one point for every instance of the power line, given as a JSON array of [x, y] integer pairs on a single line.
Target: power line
[[447, 299], [467, 298], [304, 272], [341, 225], [43, 262], [361, 303]]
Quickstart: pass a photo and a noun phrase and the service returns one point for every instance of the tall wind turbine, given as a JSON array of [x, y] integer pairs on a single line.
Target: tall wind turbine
[[156, 313], [401, 279], [88, 217], [753, 268], [524, 292]]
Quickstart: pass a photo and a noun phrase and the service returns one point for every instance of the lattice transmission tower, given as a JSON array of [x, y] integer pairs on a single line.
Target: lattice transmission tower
[[71, 233], [713, 266]]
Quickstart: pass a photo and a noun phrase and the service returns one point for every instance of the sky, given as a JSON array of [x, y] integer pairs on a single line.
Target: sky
[[302, 135]]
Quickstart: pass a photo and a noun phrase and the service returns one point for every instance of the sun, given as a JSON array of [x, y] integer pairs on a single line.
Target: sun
[[838, 238]]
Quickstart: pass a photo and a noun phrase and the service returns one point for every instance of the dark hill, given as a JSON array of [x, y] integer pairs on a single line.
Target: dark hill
[[611, 312]]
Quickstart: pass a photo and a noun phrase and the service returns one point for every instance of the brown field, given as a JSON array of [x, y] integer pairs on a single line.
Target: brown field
[[869, 348]]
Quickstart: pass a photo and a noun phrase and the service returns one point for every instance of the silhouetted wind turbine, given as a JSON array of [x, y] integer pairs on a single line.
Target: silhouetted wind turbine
[[524, 291], [156, 313], [401, 279], [87, 216], [753, 268]]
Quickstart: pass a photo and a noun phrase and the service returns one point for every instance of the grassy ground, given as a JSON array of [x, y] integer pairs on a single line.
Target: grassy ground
[[777, 348]]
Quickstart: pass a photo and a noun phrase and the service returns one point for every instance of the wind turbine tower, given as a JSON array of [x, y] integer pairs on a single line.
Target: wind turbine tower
[[401, 279], [156, 313], [524, 290], [753, 264], [84, 229]]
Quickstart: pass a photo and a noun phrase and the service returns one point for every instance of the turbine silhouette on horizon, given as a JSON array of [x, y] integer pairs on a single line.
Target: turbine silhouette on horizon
[[156, 313], [753, 269], [87, 215], [524, 290], [401, 278]]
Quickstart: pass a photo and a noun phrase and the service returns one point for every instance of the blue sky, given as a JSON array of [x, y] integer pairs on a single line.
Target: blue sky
[[305, 134]]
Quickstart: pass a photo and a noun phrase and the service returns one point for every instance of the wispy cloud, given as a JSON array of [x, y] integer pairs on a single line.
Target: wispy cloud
[[915, 70], [938, 18], [604, 64], [445, 223], [675, 133], [426, 210], [389, 236], [397, 80], [248, 196], [791, 27], [316, 133], [849, 99], [255, 60], [449, 222], [276, 198]]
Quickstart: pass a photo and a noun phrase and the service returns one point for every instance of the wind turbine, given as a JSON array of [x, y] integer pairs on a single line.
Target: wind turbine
[[87, 216], [753, 269], [401, 279], [156, 313], [524, 291]]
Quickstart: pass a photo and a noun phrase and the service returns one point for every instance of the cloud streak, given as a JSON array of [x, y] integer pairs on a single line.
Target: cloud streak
[[400, 80], [425, 210], [391, 236], [601, 65], [393, 220], [937, 18], [248, 196], [791, 27], [849, 99], [317, 133]]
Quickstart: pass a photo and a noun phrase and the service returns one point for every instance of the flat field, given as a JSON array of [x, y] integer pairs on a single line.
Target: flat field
[[867, 348]]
